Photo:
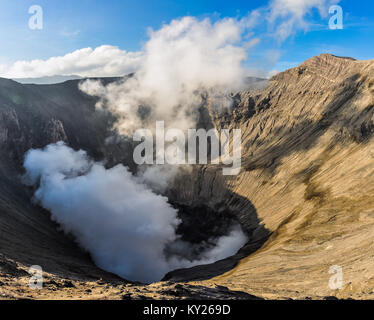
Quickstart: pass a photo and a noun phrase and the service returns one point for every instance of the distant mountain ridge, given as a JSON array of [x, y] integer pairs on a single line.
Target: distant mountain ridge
[[47, 80]]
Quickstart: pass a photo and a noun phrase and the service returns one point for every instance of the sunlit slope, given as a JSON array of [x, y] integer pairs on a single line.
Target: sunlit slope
[[309, 173]]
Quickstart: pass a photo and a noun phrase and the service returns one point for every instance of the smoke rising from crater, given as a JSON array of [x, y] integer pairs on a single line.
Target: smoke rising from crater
[[113, 215], [180, 61], [185, 65]]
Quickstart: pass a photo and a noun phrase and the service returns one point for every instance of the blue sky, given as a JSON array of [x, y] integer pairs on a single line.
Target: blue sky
[[70, 25]]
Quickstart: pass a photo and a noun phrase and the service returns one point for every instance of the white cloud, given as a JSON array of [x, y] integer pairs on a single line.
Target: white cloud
[[100, 62], [287, 16]]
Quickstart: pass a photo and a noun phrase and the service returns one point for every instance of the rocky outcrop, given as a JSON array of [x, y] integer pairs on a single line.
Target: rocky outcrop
[[9, 125], [54, 132]]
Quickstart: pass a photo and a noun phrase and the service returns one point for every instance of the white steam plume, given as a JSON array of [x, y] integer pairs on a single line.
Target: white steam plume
[[119, 220], [180, 61], [184, 64]]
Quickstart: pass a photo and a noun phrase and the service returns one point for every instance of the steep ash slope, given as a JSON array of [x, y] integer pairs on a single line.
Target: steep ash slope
[[308, 173], [32, 117]]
